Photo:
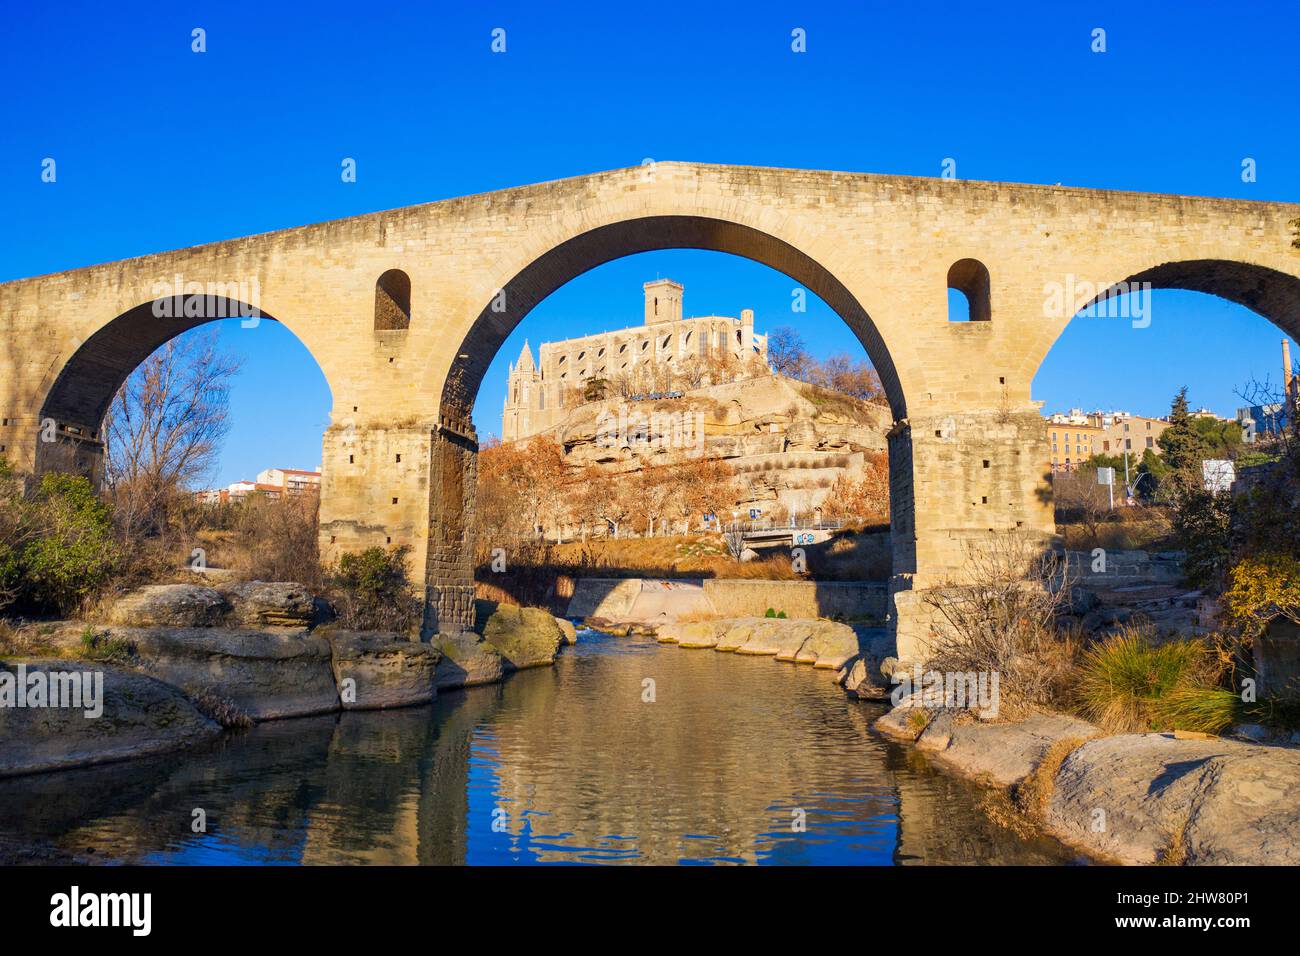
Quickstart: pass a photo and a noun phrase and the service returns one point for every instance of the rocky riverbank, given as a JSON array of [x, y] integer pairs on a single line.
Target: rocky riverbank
[[178, 662], [1125, 798], [854, 653]]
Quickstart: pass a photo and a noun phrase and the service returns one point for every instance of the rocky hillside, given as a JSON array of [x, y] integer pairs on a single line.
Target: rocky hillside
[[787, 441]]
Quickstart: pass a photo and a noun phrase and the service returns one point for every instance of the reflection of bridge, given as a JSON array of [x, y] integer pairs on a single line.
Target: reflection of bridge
[[404, 311]]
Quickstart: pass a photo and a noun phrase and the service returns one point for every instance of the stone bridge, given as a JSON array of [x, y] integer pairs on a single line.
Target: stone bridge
[[404, 310]]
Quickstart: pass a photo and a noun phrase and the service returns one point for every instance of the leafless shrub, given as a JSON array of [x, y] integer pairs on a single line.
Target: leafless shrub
[[277, 540], [1001, 617]]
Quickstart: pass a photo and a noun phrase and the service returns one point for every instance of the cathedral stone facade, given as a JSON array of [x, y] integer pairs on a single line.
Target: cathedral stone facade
[[538, 393]]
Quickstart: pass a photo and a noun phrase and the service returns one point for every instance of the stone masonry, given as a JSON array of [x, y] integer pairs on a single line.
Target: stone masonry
[[404, 310]]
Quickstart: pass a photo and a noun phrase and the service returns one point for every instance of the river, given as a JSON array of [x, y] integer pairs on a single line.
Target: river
[[624, 752]]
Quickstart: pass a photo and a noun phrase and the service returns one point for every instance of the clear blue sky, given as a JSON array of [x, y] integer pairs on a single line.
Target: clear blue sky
[[159, 148]]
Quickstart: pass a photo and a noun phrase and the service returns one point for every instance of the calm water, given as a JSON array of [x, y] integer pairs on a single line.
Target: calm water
[[557, 765]]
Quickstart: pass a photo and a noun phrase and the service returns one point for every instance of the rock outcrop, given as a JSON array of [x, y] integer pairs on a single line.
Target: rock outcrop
[[1144, 798], [270, 604], [1127, 798], [376, 671], [265, 674], [170, 605], [141, 716], [787, 440], [525, 636]]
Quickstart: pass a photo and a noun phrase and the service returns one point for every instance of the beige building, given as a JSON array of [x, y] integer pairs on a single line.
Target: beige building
[[1076, 436], [271, 482], [538, 393]]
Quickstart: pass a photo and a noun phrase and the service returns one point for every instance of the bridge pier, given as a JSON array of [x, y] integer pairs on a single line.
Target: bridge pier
[[957, 481]]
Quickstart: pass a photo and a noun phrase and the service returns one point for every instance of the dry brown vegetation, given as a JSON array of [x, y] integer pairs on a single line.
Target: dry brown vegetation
[[1001, 617]]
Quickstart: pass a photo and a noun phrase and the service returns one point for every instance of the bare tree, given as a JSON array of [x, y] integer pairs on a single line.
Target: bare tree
[[165, 427], [785, 351]]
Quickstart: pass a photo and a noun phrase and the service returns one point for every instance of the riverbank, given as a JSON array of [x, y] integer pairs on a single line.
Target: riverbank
[[1164, 798], [175, 664], [729, 761]]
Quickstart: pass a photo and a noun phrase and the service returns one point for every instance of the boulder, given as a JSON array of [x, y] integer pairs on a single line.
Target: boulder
[[1217, 802], [170, 605], [860, 681], [525, 636], [830, 645], [140, 716], [270, 604], [467, 660], [567, 631], [264, 673], [388, 670]]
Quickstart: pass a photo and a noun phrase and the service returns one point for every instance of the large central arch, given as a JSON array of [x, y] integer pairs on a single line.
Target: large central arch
[[570, 259], [449, 577]]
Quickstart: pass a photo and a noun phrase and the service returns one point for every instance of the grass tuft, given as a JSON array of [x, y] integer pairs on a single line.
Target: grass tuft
[[1129, 684]]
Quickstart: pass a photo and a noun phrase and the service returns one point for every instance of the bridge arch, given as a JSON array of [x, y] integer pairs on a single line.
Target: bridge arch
[[81, 388], [1264, 290], [449, 571], [570, 258]]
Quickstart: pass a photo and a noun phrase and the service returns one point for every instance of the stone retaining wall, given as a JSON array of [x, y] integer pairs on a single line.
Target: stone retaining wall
[[634, 600]]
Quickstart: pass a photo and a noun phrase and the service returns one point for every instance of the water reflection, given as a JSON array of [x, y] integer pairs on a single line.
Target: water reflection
[[623, 752]]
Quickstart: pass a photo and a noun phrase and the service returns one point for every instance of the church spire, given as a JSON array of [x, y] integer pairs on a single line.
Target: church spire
[[525, 362]]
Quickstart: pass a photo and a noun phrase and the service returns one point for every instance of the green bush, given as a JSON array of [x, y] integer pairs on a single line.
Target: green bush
[[72, 554], [56, 546], [371, 591], [15, 531], [103, 647]]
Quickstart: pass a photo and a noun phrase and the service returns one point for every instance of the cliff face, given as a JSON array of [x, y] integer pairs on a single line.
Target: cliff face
[[787, 441]]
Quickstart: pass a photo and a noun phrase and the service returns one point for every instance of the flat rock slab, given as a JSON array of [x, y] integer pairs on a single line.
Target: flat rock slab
[[386, 670], [830, 646], [1003, 754], [1226, 802], [266, 674], [170, 605], [997, 753], [141, 716], [827, 645], [467, 661], [269, 604]]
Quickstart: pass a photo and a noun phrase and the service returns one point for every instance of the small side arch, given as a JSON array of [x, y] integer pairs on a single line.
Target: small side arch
[[393, 302], [970, 277]]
